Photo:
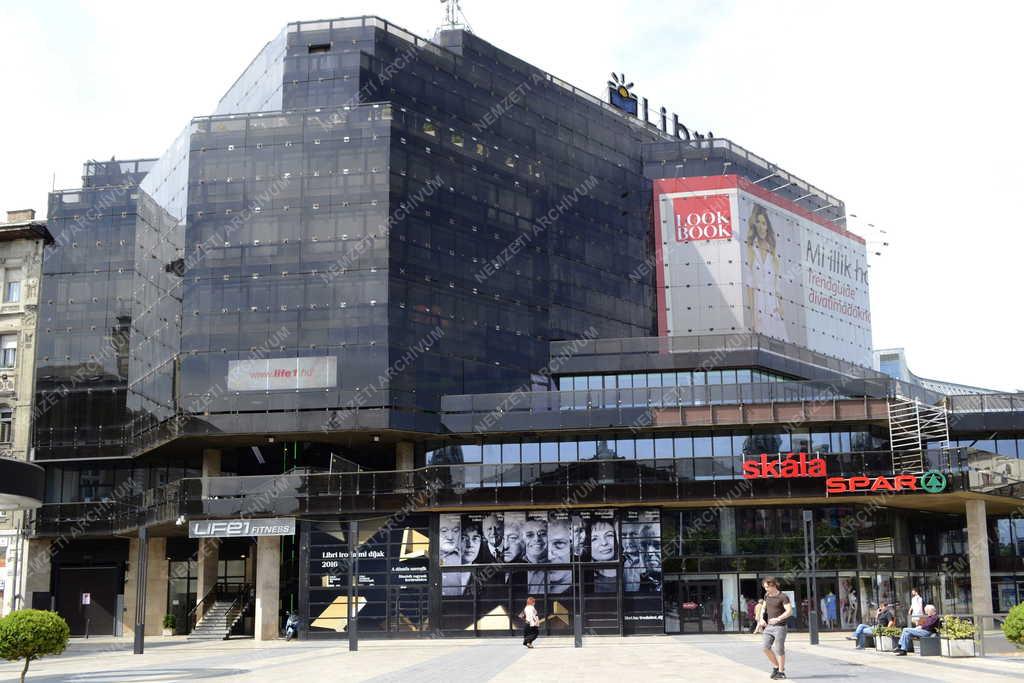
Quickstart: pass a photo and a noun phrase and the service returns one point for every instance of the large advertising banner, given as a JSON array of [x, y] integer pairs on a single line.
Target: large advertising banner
[[492, 561], [392, 573], [273, 374], [734, 257]]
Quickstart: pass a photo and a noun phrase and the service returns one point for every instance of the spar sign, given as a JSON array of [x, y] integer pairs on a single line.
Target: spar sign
[[799, 465]]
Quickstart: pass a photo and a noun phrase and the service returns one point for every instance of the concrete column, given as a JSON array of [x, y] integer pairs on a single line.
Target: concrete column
[[211, 462], [977, 554], [404, 455], [35, 571], [901, 536], [404, 462], [727, 529], [211, 466], [207, 559], [131, 579], [268, 593], [156, 586]]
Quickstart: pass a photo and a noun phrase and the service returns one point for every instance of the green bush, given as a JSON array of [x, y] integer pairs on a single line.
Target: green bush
[[170, 621], [30, 634], [892, 631], [955, 628], [1013, 627]]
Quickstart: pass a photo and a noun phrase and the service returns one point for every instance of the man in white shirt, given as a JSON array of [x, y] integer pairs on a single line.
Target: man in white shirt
[[916, 607]]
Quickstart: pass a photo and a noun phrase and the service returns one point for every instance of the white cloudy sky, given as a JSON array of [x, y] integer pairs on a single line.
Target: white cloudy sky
[[907, 110]]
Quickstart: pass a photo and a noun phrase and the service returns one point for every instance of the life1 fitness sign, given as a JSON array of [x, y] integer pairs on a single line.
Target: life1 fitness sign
[[702, 218], [799, 465], [241, 528]]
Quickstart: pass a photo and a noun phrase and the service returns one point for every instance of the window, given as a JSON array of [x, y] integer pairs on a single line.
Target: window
[[6, 425], [12, 292], [8, 350]]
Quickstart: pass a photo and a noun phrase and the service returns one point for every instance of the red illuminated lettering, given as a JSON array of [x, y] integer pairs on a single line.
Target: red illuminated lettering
[[900, 482], [794, 465], [906, 481]]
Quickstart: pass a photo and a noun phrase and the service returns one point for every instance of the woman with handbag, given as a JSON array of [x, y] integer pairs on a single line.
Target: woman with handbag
[[532, 629]]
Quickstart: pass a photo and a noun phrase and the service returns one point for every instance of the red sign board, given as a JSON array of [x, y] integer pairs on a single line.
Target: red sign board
[[702, 218], [689, 605]]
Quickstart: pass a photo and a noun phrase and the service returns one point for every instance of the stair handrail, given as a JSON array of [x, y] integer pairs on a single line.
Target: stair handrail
[[194, 615], [219, 588], [238, 606]]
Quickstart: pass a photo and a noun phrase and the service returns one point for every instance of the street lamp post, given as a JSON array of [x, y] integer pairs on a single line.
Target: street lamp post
[[353, 577], [810, 560]]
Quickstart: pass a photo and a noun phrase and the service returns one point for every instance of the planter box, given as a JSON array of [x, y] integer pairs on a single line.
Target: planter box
[[885, 643], [928, 647], [167, 632], [957, 648]]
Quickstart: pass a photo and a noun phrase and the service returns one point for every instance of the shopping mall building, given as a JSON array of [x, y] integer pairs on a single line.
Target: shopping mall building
[[521, 339]]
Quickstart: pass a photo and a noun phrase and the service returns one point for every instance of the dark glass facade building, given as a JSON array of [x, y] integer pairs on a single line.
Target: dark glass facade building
[[410, 285]]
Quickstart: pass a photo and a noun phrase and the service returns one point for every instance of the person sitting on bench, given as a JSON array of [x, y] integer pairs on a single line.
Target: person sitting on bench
[[925, 628], [883, 617]]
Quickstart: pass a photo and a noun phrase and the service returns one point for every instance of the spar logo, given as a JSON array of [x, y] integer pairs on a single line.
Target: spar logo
[[800, 465], [702, 218]]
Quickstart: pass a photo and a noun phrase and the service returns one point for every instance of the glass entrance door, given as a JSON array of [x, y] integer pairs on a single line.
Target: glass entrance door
[[181, 592], [693, 604]]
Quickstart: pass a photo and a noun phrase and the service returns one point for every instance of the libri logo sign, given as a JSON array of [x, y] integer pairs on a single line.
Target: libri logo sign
[[702, 218]]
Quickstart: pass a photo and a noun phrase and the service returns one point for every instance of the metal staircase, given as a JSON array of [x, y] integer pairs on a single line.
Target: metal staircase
[[219, 610], [912, 426]]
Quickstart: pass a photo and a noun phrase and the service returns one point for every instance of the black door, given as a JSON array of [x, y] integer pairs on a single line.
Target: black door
[[87, 598], [700, 606]]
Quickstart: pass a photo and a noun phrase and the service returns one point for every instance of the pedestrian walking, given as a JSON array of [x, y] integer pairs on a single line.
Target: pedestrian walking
[[916, 608], [532, 629], [777, 609], [758, 616]]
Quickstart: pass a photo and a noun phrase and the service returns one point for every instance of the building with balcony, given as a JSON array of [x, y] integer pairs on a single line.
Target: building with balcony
[[24, 243], [423, 305]]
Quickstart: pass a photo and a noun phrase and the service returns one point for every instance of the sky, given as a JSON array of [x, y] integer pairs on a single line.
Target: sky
[[908, 111]]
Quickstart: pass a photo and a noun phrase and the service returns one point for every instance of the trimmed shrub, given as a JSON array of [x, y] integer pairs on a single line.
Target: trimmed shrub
[[30, 634], [1013, 627]]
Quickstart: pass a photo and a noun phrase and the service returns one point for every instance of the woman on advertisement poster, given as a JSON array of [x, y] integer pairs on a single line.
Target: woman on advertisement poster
[[764, 294], [603, 548], [474, 548]]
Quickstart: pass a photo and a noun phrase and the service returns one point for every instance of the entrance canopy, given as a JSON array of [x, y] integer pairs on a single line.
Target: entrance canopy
[[21, 484]]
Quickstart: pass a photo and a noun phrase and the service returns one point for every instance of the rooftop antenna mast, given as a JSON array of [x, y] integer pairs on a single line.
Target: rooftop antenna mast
[[454, 19]]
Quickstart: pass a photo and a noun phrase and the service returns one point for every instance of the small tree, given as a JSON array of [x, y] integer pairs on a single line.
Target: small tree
[[1013, 627], [30, 634]]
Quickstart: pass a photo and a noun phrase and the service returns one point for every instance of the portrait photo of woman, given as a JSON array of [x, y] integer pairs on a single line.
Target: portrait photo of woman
[[764, 292], [474, 548], [603, 548]]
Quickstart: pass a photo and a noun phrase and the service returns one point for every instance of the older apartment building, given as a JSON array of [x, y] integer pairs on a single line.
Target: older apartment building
[[23, 241]]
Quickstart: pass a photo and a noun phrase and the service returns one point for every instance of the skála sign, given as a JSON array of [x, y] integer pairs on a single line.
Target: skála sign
[[799, 465], [237, 528]]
